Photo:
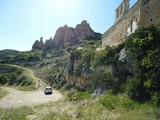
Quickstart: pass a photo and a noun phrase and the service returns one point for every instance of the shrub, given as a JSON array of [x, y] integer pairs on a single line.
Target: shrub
[[115, 101], [11, 75], [144, 47], [75, 95], [81, 96], [109, 101]]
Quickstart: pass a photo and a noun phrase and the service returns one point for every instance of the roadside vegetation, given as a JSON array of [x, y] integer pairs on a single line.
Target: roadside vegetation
[[3, 93], [16, 77], [113, 107], [15, 113]]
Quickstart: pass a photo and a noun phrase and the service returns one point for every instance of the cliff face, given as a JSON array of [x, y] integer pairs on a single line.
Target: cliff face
[[64, 35], [68, 35], [84, 30], [49, 44]]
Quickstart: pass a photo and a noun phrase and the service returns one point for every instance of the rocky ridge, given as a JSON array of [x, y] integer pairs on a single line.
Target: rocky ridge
[[68, 35]]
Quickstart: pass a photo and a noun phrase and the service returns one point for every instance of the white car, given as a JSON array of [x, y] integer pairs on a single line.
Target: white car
[[48, 90]]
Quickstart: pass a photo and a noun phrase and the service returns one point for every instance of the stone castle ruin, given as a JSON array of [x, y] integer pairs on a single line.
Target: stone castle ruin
[[127, 20]]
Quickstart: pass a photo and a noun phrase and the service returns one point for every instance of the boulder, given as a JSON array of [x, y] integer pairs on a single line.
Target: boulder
[[125, 63], [122, 55]]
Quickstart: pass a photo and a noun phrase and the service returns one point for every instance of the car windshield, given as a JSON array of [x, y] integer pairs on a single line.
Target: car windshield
[[48, 89]]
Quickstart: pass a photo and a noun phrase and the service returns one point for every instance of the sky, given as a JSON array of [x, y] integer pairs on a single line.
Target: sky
[[24, 21]]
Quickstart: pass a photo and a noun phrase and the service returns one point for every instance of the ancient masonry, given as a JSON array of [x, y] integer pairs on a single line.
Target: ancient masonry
[[143, 13]]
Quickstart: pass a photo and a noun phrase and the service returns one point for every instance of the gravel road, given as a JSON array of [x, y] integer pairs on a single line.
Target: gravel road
[[17, 98]]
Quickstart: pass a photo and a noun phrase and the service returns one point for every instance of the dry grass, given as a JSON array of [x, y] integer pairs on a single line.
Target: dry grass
[[3, 93], [90, 109]]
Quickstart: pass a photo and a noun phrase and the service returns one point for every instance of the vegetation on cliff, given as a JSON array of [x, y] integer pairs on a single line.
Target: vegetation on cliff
[[144, 48], [137, 75]]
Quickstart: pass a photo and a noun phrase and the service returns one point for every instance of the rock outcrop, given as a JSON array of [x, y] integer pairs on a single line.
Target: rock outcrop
[[125, 64], [64, 35], [49, 44], [84, 31], [38, 44], [68, 35]]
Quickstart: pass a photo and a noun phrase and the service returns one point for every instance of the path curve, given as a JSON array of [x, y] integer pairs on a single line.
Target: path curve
[[39, 84], [17, 98]]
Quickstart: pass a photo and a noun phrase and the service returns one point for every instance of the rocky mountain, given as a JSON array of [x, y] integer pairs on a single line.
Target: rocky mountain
[[68, 35]]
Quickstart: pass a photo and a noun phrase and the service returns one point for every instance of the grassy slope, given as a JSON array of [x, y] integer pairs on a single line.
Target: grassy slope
[[25, 73], [87, 110], [15, 114]]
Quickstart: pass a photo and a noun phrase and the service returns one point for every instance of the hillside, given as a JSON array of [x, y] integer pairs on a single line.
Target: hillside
[[120, 69], [12, 75], [8, 53], [119, 82]]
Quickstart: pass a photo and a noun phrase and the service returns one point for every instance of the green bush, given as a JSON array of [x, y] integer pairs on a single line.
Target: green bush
[[144, 47], [114, 101], [109, 101], [105, 57], [16, 113], [81, 96], [75, 95]]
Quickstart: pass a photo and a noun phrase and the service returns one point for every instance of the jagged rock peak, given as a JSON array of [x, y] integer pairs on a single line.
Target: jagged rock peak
[[84, 22], [68, 35], [84, 31], [64, 35], [41, 40], [65, 26], [38, 44]]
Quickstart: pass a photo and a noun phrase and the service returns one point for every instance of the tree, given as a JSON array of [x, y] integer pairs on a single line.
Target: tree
[[144, 47]]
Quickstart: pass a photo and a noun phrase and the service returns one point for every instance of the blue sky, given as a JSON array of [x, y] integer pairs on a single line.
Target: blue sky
[[24, 21]]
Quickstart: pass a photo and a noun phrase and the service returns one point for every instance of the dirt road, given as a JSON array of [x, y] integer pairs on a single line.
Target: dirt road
[[17, 98]]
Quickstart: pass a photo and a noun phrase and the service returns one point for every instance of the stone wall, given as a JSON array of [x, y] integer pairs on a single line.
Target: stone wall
[[122, 28], [123, 7], [150, 12], [143, 13]]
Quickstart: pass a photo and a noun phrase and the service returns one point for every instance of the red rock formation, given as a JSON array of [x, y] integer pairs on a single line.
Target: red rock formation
[[68, 35]]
